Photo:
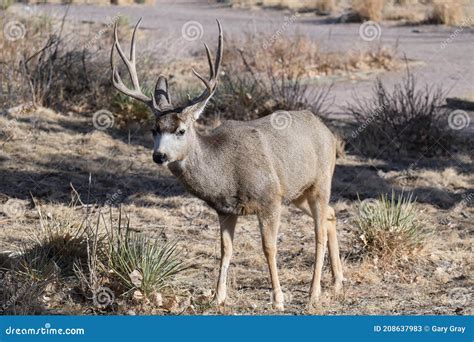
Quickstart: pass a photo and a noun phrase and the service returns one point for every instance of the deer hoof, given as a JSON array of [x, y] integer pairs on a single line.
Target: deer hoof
[[279, 306]]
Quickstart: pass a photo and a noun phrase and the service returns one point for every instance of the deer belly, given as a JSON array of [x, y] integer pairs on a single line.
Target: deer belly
[[235, 206]]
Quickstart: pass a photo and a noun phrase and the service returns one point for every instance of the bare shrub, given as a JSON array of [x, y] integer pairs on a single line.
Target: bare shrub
[[60, 75], [282, 73], [368, 9], [248, 95], [404, 121], [389, 227], [49, 67]]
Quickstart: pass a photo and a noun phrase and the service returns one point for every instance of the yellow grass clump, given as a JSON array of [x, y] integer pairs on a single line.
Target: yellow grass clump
[[448, 13], [368, 9]]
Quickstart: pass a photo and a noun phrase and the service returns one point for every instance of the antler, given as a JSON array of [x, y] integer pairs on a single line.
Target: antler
[[161, 88], [210, 84]]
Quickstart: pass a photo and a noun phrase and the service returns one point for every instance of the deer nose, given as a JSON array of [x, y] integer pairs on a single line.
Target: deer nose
[[159, 158]]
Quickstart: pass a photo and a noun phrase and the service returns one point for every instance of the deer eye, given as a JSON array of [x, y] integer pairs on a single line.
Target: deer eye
[[181, 132]]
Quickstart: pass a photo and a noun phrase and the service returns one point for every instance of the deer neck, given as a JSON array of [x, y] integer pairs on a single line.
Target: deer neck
[[201, 172]]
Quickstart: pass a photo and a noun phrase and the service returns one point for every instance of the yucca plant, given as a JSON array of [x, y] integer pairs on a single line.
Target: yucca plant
[[390, 226], [141, 263]]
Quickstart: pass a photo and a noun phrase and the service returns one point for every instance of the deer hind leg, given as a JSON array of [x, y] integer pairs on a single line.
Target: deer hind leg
[[333, 245], [318, 204], [269, 223], [227, 224]]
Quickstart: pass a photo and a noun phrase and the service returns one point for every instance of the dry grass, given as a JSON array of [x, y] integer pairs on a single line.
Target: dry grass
[[368, 9], [104, 257], [448, 13], [453, 13], [60, 73], [157, 214]]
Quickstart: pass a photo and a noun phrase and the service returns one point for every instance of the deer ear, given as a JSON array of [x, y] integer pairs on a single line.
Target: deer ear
[[194, 111], [162, 95]]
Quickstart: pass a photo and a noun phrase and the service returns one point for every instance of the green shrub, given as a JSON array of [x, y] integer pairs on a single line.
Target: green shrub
[[141, 263], [390, 226]]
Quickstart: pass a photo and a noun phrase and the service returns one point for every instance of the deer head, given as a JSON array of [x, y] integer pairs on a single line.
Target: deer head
[[174, 131]]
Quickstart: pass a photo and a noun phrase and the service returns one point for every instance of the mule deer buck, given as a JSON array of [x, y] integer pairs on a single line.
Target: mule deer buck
[[244, 168]]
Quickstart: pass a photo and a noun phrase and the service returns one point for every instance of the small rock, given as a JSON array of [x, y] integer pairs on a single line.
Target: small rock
[[157, 298], [171, 303], [207, 293], [441, 275], [137, 296], [136, 278], [131, 313]]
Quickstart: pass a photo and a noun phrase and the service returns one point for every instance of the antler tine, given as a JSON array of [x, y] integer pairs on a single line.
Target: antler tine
[[219, 49], [136, 92], [213, 70]]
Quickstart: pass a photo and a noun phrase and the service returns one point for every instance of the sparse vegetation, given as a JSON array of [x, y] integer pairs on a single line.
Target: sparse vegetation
[[390, 227], [407, 120], [281, 74], [68, 248]]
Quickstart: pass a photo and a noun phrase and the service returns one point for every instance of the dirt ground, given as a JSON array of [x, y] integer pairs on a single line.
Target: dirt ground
[[46, 152], [43, 153]]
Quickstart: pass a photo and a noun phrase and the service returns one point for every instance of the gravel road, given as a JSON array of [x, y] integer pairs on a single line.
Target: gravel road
[[444, 54]]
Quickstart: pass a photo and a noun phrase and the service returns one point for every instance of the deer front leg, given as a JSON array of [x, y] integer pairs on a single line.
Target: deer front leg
[[227, 224], [269, 224]]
